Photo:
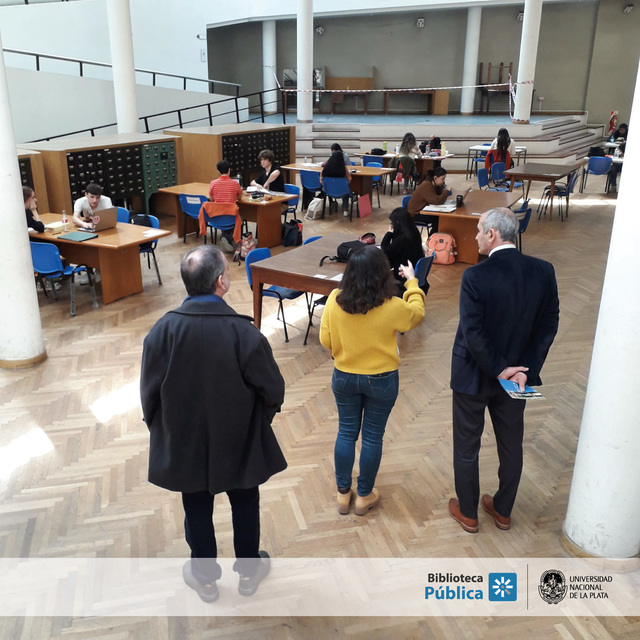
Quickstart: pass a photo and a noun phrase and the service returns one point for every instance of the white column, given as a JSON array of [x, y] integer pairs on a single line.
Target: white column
[[21, 342], [603, 518], [124, 77], [305, 60], [527, 61], [470, 70], [269, 68]]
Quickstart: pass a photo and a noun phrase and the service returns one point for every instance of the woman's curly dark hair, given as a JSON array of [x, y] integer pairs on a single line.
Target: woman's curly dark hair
[[367, 282]]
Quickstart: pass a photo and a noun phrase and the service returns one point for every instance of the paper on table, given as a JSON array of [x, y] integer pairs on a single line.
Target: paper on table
[[337, 277]]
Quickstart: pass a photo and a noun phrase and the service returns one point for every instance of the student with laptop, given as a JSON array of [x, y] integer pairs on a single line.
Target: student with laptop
[[432, 190], [85, 208]]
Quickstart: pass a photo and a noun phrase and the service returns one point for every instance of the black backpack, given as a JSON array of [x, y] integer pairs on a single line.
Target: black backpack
[[292, 233], [345, 251], [143, 220]]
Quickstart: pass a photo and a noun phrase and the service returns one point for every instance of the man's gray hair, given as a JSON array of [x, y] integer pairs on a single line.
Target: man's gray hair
[[200, 269], [504, 221]]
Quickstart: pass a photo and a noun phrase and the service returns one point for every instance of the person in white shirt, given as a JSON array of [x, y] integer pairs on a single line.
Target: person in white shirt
[[512, 145], [84, 208]]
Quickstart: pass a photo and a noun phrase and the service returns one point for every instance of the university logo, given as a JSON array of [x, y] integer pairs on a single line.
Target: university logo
[[553, 586], [503, 587]]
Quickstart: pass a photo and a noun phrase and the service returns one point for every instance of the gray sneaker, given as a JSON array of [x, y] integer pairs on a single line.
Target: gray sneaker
[[206, 592], [225, 245], [248, 585]]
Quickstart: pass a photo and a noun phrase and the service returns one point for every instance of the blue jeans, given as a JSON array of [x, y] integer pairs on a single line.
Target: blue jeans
[[364, 402]]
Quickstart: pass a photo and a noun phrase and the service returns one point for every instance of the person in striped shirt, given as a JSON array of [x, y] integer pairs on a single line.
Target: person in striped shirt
[[224, 189]]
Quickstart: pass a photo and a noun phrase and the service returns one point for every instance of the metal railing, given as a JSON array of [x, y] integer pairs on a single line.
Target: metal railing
[[183, 119], [154, 74]]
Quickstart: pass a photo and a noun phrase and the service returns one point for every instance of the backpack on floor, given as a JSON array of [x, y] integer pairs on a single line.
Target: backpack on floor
[[247, 244], [444, 246], [292, 233]]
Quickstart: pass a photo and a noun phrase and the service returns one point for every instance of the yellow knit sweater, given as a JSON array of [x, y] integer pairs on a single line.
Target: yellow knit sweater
[[366, 343]]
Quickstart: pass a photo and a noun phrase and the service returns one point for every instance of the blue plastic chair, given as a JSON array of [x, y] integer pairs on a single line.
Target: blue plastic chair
[[218, 223], [563, 191], [376, 179], [483, 181], [422, 269], [190, 206], [405, 201], [310, 180], [524, 223], [292, 205], [280, 293], [498, 175], [48, 264], [123, 215], [598, 166], [475, 162], [148, 248], [339, 188], [311, 239]]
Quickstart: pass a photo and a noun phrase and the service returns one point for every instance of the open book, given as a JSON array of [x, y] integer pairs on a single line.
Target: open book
[[448, 207], [513, 390]]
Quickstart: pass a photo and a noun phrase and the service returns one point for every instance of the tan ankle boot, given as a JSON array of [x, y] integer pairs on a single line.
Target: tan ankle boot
[[364, 503], [344, 500]]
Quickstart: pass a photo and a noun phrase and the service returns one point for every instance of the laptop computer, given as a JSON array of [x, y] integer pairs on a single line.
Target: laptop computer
[[104, 219]]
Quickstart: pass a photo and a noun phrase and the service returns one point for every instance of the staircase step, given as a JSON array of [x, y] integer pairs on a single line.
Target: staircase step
[[342, 127]]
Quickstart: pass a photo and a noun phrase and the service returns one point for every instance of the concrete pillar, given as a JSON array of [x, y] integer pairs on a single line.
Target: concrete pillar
[[21, 343], [269, 66], [527, 60], [124, 77], [603, 517], [305, 60], [470, 70]]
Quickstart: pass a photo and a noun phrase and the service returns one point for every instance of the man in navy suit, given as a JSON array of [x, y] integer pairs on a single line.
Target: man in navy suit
[[508, 319]]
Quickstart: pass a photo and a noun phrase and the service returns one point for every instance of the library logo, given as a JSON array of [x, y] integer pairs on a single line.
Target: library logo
[[503, 587], [553, 586]]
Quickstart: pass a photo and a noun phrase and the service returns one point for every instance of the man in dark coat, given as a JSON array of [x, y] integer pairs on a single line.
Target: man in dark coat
[[508, 319], [210, 388]]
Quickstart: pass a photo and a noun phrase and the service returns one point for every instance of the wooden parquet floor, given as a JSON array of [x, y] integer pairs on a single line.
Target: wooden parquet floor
[[89, 496]]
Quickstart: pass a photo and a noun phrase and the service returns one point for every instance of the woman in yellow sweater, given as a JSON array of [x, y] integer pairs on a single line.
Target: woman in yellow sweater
[[360, 324]]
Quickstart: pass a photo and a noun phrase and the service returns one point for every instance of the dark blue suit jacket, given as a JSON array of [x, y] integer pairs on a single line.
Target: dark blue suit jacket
[[509, 313]]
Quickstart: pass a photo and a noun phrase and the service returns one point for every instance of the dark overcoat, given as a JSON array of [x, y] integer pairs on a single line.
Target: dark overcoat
[[210, 387], [509, 314]]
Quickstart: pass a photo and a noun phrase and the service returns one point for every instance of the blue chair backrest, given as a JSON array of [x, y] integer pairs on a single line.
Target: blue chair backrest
[[310, 180], [191, 204], [405, 201], [46, 258], [497, 171], [336, 187], [292, 189], [523, 207], [423, 267], [573, 178], [377, 165], [368, 159], [312, 239], [524, 222], [123, 214], [483, 177], [599, 165], [221, 222], [255, 255]]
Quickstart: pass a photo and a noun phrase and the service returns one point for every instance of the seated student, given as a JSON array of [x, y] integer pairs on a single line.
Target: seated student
[[334, 167], [336, 147], [620, 133], [500, 153], [402, 243], [31, 210], [271, 177], [511, 145], [225, 190], [407, 153], [432, 190], [84, 208], [616, 168]]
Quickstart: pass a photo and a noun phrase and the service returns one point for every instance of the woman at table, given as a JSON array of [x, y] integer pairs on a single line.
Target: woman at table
[[271, 176], [402, 244], [336, 147], [408, 152], [620, 133], [360, 325], [511, 145], [499, 154], [432, 190], [335, 167], [31, 210]]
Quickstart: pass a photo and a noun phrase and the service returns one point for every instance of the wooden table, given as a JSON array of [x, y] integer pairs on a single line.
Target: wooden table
[[265, 213], [423, 164], [299, 269], [543, 173], [437, 99], [361, 180], [463, 225], [115, 253]]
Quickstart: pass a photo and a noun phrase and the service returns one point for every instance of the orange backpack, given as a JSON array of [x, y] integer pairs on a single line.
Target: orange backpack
[[444, 246]]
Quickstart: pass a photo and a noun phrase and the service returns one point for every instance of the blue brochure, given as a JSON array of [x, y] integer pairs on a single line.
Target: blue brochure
[[513, 390]]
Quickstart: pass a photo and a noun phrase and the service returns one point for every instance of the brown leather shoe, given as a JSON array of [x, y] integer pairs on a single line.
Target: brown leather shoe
[[344, 501], [468, 524], [501, 522], [364, 503]]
